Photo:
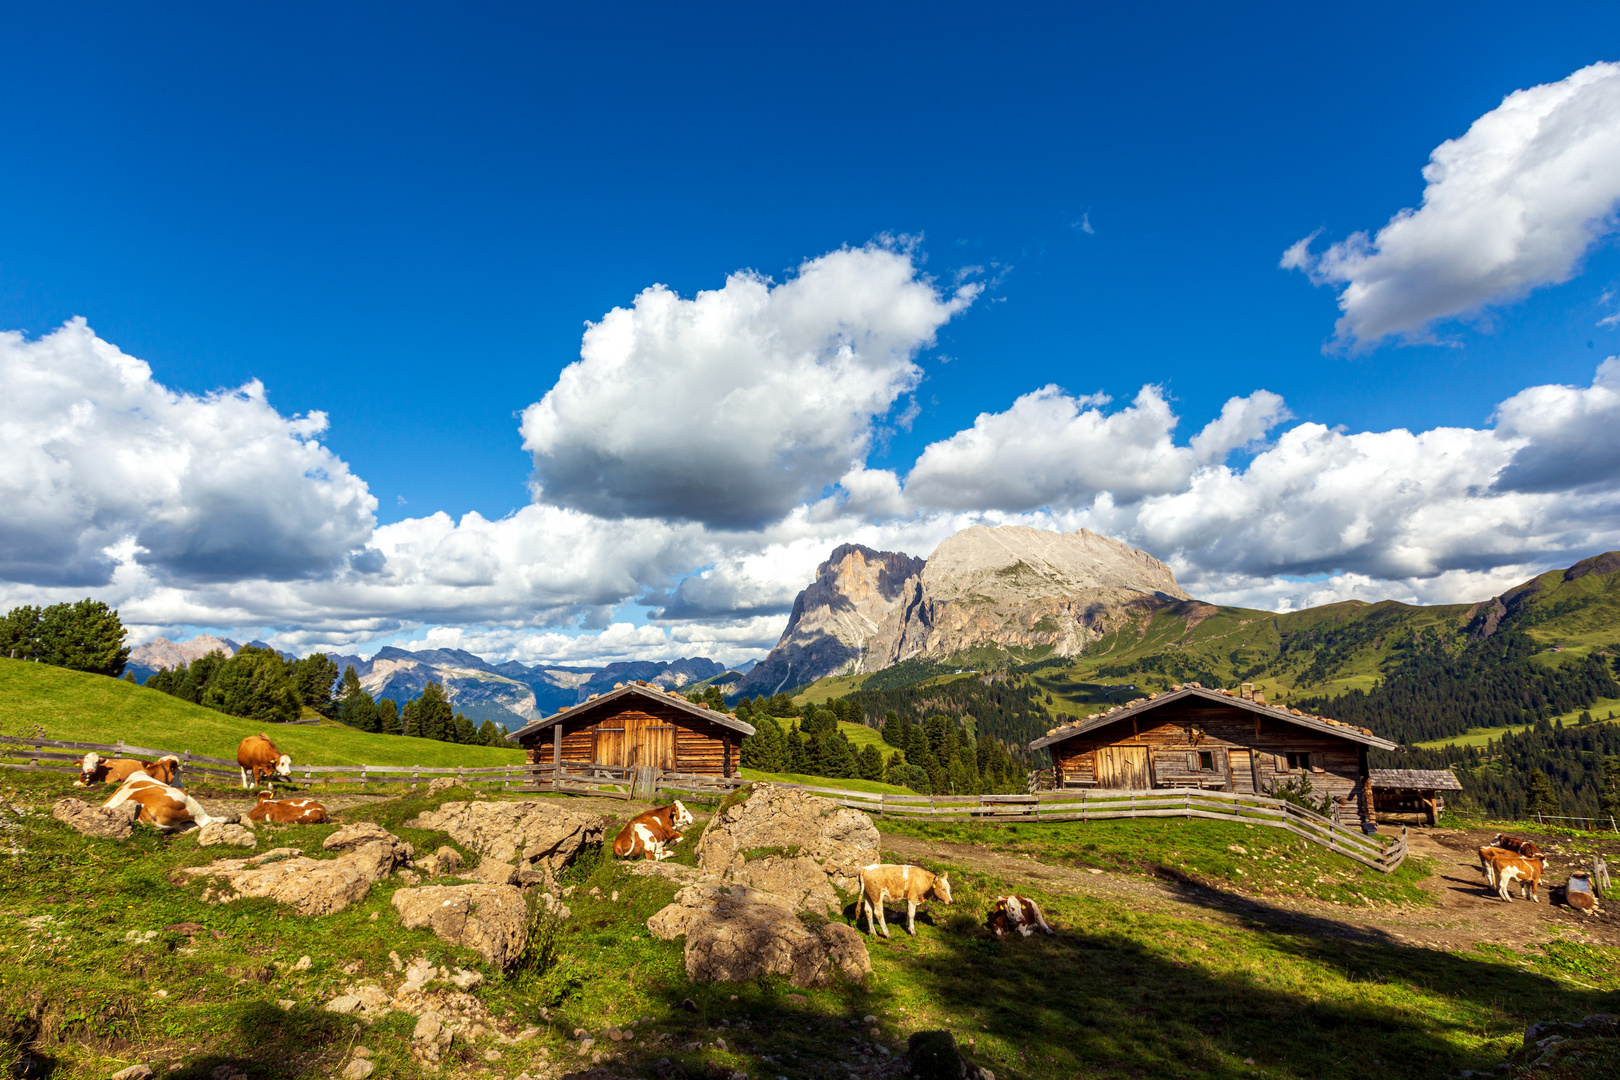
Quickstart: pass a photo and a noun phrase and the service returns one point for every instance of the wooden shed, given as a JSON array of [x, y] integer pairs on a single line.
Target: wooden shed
[[636, 726], [1412, 796], [1224, 740]]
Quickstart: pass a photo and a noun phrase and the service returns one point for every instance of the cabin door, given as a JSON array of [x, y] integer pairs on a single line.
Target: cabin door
[[1241, 763], [610, 745], [660, 743], [1123, 767]]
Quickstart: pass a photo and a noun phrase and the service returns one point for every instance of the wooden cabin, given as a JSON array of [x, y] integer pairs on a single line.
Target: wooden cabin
[[1412, 796], [1222, 740], [637, 725]]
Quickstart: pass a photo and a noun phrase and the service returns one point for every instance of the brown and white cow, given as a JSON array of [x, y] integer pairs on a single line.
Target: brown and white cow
[[288, 811], [1018, 913], [94, 769], [881, 882], [1503, 867], [1526, 848], [646, 834], [163, 807], [258, 757]]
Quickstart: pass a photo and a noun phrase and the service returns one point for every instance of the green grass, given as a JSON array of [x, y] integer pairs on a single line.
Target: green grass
[[1122, 991], [73, 706], [1271, 863]]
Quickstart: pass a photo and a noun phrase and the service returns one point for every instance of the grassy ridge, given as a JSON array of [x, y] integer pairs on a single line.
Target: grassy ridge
[[76, 707]]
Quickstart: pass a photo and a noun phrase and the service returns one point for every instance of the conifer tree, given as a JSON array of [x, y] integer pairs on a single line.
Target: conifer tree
[[313, 677], [871, 762], [894, 729], [253, 684], [1611, 787], [388, 722], [490, 735], [1542, 799]]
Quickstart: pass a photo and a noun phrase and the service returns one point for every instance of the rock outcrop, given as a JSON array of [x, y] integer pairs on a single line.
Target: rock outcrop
[[534, 835], [308, 886], [225, 832], [1009, 587], [738, 934], [789, 831], [856, 591], [488, 919], [82, 817]]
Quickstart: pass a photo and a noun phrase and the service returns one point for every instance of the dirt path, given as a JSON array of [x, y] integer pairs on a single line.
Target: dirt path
[[1464, 911]]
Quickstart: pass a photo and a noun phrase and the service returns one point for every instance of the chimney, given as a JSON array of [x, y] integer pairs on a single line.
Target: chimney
[[1248, 691]]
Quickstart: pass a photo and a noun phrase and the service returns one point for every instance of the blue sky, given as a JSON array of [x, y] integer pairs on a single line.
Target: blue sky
[[404, 218]]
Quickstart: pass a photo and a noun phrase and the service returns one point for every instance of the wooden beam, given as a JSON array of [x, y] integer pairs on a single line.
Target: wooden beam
[[556, 748]]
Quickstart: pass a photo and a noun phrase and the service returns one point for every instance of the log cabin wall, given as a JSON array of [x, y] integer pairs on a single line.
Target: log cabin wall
[[1247, 752], [638, 732]]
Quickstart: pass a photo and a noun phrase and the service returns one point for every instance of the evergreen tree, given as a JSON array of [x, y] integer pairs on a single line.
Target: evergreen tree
[[780, 705], [1611, 788], [355, 707], [435, 719], [871, 762], [129, 675], [313, 676], [465, 733], [1542, 799], [764, 750], [388, 722], [253, 684], [894, 730], [197, 676], [409, 721], [795, 751], [490, 735], [84, 636]]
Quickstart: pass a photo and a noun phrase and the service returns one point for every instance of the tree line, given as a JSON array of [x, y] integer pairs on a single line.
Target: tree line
[[1009, 711], [937, 756], [83, 636]]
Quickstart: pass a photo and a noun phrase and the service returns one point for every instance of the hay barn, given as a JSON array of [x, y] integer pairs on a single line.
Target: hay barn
[[636, 726], [1220, 740], [1412, 796]]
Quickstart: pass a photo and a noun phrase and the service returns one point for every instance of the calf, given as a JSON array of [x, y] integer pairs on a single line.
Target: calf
[[288, 811], [890, 881], [258, 756], [1505, 867], [1526, 848], [163, 807], [1018, 913], [646, 834], [95, 769]]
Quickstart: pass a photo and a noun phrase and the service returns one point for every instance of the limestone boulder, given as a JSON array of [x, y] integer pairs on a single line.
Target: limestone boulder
[[800, 881], [352, 837], [309, 886], [492, 920], [223, 832], [82, 817], [535, 835], [735, 934], [793, 824]]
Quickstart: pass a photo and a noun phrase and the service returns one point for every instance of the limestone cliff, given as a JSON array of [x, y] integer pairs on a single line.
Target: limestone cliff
[[1018, 587], [1009, 587], [856, 591]]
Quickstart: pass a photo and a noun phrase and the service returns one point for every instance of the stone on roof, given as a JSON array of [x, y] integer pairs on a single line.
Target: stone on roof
[[1415, 779]]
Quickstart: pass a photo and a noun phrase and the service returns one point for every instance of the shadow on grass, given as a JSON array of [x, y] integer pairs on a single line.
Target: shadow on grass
[[279, 1044]]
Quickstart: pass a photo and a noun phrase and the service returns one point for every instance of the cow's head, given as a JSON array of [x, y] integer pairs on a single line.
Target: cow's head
[[267, 796], [284, 767], [167, 770], [942, 888], [87, 770], [679, 815]]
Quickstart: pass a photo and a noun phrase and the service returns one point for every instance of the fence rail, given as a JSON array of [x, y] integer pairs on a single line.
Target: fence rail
[[1544, 818]]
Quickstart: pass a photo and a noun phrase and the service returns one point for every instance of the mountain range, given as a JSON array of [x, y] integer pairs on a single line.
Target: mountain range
[[510, 693]]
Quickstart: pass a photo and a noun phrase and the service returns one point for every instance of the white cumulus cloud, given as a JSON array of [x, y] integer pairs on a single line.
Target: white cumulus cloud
[[1512, 204], [732, 407], [95, 455]]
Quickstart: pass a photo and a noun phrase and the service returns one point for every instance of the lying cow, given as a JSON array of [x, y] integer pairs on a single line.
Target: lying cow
[[288, 811], [1526, 848], [95, 769], [258, 757], [646, 834], [1018, 913], [1503, 867], [163, 807], [881, 882]]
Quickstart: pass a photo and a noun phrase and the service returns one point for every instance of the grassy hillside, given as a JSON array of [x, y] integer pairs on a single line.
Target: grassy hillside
[[75, 707]]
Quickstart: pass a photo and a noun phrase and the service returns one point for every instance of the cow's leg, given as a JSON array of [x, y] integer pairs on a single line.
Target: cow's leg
[[911, 917], [245, 776], [883, 917]]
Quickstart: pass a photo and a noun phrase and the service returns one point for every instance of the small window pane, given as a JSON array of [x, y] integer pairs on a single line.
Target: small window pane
[[1206, 760]]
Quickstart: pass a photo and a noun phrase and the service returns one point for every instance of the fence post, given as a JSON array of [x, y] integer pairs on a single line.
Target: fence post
[[1085, 811], [1186, 803], [1133, 804]]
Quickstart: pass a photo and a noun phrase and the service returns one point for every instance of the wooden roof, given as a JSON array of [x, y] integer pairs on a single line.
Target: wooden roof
[[1225, 697], [605, 702], [1414, 779]]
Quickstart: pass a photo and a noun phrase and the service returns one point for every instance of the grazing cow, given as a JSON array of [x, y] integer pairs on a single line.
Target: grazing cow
[[1504, 867], [891, 881], [95, 769], [258, 757], [1018, 913], [163, 807], [1526, 848], [288, 811], [646, 834]]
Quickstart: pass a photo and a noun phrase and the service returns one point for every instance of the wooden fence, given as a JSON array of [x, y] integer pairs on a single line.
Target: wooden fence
[[51, 755]]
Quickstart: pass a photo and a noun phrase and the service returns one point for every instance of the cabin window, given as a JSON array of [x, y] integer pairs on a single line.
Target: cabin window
[[1298, 762], [1206, 760]]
